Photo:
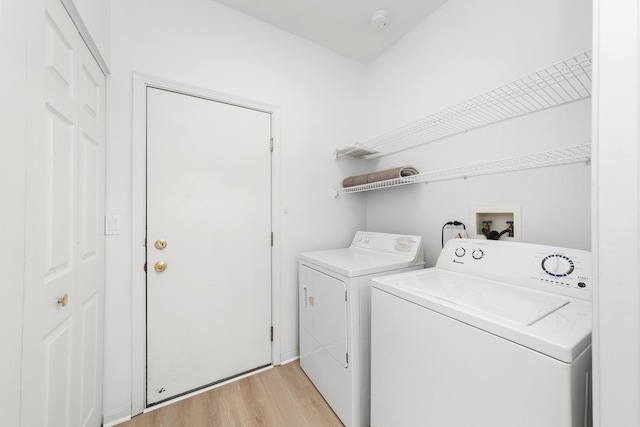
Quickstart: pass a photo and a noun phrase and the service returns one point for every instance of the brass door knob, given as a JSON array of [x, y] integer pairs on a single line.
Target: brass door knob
[[64, 300], [160, 266], [160, 244]]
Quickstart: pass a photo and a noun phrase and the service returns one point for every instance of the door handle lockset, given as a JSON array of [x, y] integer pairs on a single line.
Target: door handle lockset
[[160, 244], [160, 266], [64, 300]]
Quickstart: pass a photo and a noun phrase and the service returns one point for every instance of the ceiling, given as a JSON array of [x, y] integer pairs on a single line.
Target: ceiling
[[341, 25]]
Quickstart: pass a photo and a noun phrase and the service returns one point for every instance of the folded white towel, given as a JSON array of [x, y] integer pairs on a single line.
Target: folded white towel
[[382, 175]]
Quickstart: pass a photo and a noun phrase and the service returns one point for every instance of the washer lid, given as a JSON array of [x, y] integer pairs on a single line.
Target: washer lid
[[354, 262], [508, 303], [555, 325]]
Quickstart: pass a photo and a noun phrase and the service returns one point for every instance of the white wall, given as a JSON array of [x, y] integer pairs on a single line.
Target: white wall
[[12, 194], [464, 49], [201, 43]]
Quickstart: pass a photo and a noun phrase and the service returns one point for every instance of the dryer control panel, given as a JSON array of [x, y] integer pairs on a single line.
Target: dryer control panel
[[400, 244], [551, 269]]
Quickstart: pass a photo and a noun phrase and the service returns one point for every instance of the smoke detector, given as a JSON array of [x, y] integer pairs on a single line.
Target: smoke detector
[[379, 20]]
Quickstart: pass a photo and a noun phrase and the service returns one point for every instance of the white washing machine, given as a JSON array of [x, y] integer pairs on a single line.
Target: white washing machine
[[497, 334], [335, 287]]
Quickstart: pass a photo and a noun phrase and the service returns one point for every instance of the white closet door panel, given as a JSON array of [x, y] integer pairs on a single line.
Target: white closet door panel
[[62, 358], [60, 180], [59, 194], [60, 55], [90, 251], [58, 346], [90, 365], [91, 92], [49, 337], [89, 223], [91, 169]]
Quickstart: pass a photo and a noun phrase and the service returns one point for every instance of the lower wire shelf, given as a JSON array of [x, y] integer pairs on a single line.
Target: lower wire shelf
[[560, 156]]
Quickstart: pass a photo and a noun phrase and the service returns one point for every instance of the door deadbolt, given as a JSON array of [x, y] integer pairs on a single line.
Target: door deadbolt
[[160, 244], [160, 266]]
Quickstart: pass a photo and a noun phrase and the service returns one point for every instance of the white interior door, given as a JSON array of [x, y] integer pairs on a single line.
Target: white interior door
[[209, 199], [64, 248]]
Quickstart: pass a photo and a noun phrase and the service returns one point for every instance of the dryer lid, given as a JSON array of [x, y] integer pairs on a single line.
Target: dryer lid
[[370, 253], [355, 262]]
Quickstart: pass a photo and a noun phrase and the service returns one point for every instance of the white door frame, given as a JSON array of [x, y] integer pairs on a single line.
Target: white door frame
[[138, 297], [615, 230]]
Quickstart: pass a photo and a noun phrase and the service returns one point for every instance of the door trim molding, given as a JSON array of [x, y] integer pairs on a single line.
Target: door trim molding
[[138, 206]]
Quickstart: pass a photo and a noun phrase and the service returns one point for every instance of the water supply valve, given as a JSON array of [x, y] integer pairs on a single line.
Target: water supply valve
[[495, 235], [486, 229]]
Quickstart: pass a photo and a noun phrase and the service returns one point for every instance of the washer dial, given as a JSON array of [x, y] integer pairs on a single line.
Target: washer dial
[[557, 265], [460, 252]]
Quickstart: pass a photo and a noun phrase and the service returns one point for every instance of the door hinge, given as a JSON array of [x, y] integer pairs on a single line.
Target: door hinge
[[271, 144], [345, 295], [145, 267], [347, 358], [272, 334], [272, 238]]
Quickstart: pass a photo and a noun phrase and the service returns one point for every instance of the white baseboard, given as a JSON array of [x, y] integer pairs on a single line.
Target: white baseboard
[[113, 418], [289, 357]]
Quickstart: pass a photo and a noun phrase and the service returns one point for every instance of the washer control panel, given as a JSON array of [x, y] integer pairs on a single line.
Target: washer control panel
[[558, 265], [551, 269]]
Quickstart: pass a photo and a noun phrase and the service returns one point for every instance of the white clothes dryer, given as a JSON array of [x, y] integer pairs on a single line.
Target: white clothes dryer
[[334, 288], [496, 334]]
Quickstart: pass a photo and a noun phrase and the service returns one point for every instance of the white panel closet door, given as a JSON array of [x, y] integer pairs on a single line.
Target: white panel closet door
[[64, 272], [209, 198]]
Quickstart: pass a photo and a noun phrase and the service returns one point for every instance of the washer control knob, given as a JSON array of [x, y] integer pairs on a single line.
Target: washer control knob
[[557, 265], [460, 252], [477, 254]]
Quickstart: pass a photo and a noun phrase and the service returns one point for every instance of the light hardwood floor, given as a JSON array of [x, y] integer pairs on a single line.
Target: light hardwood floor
[[279, 397]]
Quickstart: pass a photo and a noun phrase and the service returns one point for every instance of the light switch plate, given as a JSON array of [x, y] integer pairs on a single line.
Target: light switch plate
[[111, 224]]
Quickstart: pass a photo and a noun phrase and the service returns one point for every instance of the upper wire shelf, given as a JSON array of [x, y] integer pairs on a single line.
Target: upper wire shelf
[[561, 83], [560, 156]]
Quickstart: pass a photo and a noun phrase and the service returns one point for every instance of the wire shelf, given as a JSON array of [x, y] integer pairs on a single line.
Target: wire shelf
[[564, 82], [561, 156]]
